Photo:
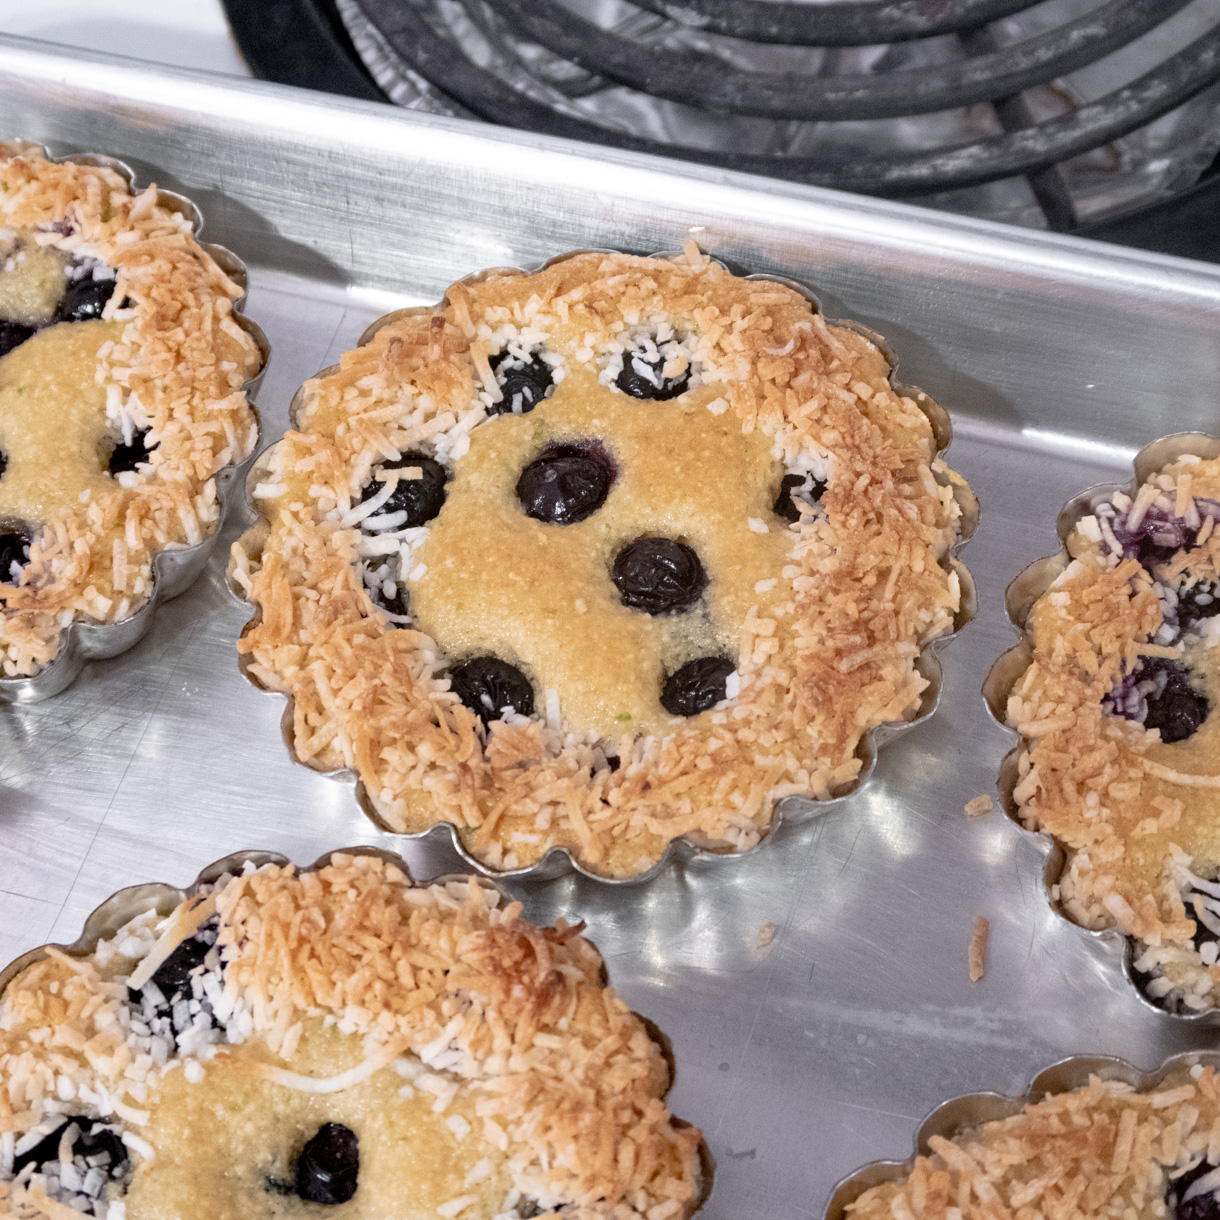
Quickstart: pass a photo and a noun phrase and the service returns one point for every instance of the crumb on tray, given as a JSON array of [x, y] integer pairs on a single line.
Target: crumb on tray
[[978, 947], [976, 806]]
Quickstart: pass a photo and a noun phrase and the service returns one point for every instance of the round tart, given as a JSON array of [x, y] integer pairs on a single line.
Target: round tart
[[122, 366], [1105, 1149], [595, 558], [338, 1037], [1121, 754]]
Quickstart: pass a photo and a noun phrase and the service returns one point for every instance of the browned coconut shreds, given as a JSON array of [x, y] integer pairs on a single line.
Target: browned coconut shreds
[[185, 359], [563, 1068], [1134, 814], [866, 585], [1103, 1150]]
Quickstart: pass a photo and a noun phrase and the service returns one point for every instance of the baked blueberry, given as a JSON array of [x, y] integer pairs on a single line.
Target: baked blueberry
[[487, 685], [93, 1139], [658, 575], [1174, 706], [565, 483], [1158, 537], [84, 300], [524, 386], [698, 685], [642, 377], [173, 976], [418, 500], [329, 1165], [1200, 601], [125, 457], [13, 334], [396, 604], [785, 506], [3, 463], [1202, 1206], [14, 552], [1202, 933], [1159, 694]]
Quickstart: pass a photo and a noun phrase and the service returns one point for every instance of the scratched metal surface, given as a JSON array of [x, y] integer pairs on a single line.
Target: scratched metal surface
[[801, 1058]]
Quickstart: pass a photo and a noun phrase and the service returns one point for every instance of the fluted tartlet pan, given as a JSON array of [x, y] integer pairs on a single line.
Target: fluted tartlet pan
[[686, 850], [124, 905], [1019, 599], [173, 571], [960, 1114]]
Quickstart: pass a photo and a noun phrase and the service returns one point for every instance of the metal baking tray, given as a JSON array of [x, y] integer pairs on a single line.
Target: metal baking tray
[[791, 810], [816, 991], [172, 570]]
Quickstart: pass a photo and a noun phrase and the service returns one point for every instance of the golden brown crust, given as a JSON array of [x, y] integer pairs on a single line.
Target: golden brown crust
[[1137, 815], [521, 1012], [827, 657], [1102, 1150], [180, 364]]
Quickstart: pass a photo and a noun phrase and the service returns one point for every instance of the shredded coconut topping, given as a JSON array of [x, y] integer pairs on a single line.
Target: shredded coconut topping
[[178, 369], [1103, 1150], [438, 982], [829, 651], [1115, 762]]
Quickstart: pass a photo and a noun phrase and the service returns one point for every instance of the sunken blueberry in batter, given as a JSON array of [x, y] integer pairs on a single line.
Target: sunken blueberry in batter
[[565, 483], [489, 686], [410, 499], [524, 382], [658, 575], [329, 1166], [697, 686]]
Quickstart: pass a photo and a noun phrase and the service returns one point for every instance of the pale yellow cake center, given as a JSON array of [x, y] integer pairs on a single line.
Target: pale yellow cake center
[[225, 1147], [540, 595], [53, 421], [32, 279]]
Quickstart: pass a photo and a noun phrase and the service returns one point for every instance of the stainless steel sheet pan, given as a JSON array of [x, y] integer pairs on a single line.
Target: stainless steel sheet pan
[[816, 991]]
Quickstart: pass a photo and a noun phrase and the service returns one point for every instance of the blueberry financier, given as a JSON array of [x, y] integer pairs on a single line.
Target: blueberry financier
[[599, 557], [1104, 1150], [285, 1040], [121, 374], [1122, 748]]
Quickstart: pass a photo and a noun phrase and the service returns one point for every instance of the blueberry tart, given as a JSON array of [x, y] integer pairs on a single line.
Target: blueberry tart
[[600, 557], [281, 1042], [1105, 1149], [122, 366], [1117, 707]]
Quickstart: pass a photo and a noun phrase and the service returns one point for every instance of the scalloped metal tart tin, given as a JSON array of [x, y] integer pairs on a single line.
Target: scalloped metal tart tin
[[594, 361], [115, 624], [1151, 672], [1114, 1157], [510, 996]]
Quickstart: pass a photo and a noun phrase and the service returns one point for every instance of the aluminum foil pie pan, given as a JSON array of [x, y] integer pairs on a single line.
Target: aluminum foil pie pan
[[126, 904], [686, 850], [959, 1114], [173, 571], [1019, 599]]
